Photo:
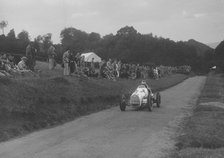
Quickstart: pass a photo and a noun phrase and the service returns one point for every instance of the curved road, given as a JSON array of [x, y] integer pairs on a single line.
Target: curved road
[[111, 133]]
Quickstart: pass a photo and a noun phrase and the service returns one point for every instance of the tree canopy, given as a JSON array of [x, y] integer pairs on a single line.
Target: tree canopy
[[3, 24], [127, 45], [24, 36]]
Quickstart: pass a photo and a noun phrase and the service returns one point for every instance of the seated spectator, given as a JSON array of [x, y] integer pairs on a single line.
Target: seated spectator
[[3, 65], [22, 64]]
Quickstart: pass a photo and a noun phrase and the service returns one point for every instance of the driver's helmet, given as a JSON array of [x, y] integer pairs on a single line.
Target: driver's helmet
[[143, 82]]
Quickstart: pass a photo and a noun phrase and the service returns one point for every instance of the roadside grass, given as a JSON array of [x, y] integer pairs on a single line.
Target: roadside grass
[[202, 135], [31, 103]]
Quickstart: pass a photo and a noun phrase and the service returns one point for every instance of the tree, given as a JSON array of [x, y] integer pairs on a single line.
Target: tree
[[93, 41], [11, 34], [126, 31], [3, 24], [24, 36], [94, 37], [74, 39], [46, 41]]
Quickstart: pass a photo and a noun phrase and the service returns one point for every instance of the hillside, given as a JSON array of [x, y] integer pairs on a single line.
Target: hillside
[[201, 48], [219, 55]]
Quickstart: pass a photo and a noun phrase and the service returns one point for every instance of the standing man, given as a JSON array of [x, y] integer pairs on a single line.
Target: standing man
[[30, 54], [92, 65], [66, 60], [102, 66], [51, 57], [118, 68]]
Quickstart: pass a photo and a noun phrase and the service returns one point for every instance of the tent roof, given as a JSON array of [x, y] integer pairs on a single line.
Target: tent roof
[[88, 57]]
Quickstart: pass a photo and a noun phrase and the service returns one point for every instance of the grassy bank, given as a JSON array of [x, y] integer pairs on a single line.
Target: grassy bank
[[31, 103], [202, 135]]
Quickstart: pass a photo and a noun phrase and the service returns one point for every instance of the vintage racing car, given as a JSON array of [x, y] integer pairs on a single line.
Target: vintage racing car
[[141, 97]]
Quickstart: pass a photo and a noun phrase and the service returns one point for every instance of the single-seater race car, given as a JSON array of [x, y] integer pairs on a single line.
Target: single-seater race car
[[141, 97]]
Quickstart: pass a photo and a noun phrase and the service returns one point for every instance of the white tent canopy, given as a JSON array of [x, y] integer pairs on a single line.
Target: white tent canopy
[[91, 55]]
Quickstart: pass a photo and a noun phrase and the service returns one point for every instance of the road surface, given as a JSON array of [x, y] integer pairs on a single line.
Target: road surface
[[111, 133]]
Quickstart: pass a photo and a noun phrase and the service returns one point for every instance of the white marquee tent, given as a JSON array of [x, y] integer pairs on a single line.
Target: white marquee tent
[[91, 55]]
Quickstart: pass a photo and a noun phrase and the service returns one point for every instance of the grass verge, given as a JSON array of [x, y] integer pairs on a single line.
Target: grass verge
[[28, 104], [202, 135]]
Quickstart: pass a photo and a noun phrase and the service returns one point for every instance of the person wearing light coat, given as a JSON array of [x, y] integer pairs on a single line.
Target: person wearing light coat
[[66, 58], [51, 57]]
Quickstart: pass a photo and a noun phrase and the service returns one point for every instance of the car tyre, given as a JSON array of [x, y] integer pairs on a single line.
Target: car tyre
[[149, 103], [158, 99]]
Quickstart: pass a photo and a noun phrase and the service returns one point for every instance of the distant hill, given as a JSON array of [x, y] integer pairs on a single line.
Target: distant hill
[[213, 45], [201, 48], [219, 55]]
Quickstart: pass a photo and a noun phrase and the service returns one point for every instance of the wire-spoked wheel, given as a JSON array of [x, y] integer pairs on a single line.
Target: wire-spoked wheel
[[158, 99], [149, 103]]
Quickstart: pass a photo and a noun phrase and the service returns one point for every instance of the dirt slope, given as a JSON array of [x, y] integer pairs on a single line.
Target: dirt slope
[[111, 133]]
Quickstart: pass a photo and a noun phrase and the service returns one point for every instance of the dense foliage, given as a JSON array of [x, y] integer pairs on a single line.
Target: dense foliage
[[127, 45], [219, 56]]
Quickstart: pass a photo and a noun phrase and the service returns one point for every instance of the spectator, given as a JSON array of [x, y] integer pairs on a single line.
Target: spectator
[[109, 64], [72, 63], [22, 64], [92, 65], [118, 68], [51, 57], [109, 70], [66, 60], [77, 59], [77, 62], [82, 63], [155, 72], [138, 74], [30, 54], [3, 62], [102, 66]]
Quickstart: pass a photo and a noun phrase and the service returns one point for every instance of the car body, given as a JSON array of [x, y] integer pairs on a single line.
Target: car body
[[141, 97]]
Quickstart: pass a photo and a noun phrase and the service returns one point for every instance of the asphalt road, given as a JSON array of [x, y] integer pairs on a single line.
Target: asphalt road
[[111, 133]]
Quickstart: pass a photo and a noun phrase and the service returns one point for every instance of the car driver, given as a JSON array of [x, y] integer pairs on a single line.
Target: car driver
[[147, 87]]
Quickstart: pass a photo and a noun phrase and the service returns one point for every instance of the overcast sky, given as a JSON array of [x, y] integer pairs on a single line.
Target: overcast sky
[[202, 20]]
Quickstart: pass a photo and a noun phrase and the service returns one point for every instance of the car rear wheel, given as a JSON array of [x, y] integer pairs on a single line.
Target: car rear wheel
[[158, 99], [149, 103]]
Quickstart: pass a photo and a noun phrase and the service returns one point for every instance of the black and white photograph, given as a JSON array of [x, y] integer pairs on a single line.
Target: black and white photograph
[[111, 78]]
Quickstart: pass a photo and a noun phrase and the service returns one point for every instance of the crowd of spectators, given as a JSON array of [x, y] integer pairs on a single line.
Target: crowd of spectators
[[111, 69], [75, 64], [11, 66], [116, 69]]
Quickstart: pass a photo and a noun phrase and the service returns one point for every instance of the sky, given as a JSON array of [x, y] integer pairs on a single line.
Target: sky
[[178, 20]]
